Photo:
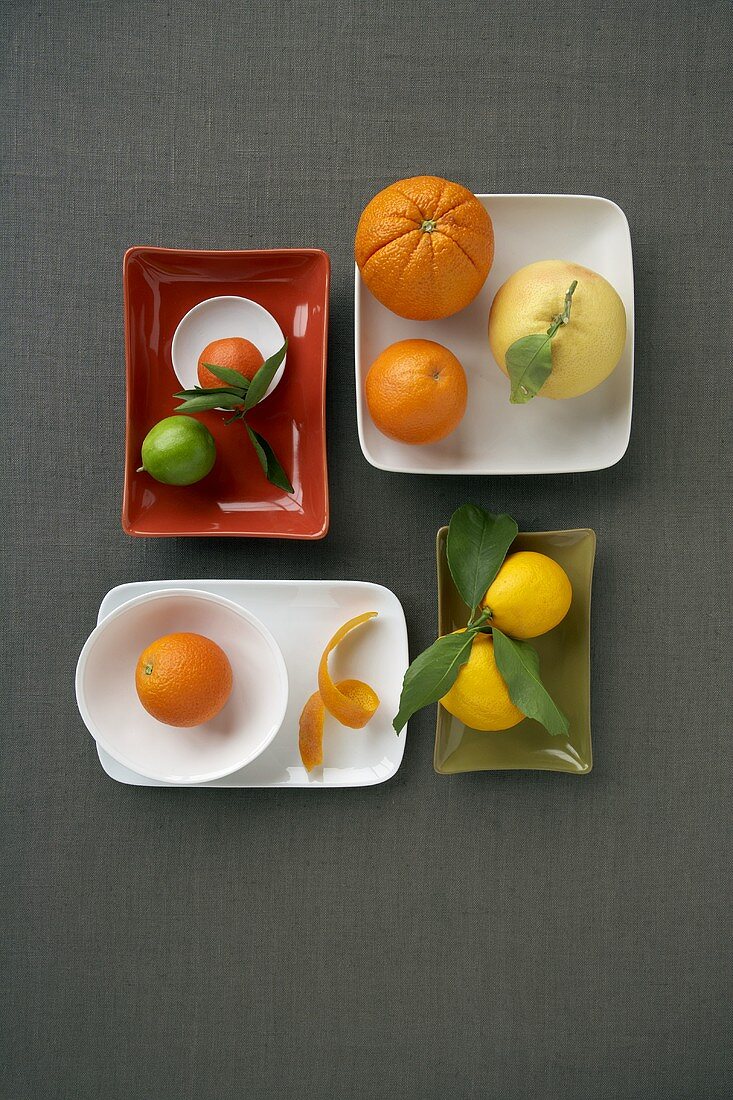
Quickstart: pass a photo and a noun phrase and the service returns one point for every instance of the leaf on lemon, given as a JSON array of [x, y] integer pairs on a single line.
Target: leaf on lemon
[[225, 374], [529, 363], [477, 544], [519, 665], [268, 461], [260, 383], [433, 674]]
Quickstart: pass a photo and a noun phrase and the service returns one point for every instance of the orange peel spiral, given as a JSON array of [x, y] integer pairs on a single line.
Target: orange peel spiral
[[351, 702]]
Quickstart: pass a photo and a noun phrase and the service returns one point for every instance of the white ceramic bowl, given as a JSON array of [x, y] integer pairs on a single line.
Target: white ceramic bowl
[[113, 714], [216, 319]]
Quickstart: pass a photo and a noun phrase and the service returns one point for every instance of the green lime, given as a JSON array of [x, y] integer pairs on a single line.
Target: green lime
[[178, 451]]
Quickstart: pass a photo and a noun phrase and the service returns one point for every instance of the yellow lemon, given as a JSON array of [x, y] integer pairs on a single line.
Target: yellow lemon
[[479, 698], [587, 349], [530, 595]]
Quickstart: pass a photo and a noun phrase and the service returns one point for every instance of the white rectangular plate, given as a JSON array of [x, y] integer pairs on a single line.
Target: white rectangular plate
[[303, 616], [543, 437]]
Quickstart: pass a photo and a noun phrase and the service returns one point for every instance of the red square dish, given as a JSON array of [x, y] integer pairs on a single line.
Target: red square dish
[[160, 286]]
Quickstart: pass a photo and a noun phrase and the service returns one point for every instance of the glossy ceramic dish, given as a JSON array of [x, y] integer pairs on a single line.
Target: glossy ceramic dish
[[302, 616], [543, 437], [113, 714], [160, 286], [564, 663]]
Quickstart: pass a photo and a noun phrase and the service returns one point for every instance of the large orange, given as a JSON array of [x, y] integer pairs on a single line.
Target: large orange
[[234, 352], [424, 247], [183, 679], [416, 391]]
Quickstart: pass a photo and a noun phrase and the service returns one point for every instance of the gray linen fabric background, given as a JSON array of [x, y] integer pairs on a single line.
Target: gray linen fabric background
[[500, 935]]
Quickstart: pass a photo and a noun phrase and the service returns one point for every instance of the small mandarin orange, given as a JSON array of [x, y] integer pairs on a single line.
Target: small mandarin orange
[[233, 352]]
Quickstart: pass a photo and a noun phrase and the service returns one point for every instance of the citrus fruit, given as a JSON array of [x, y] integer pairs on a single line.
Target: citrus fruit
[[178, 451], [416, 391], [183, 679], [530, 595], [424, 247], [479, 697], [233, 352], [587, 349]]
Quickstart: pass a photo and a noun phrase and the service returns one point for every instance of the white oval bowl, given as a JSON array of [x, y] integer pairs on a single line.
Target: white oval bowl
[[217, 319], [113, 714]]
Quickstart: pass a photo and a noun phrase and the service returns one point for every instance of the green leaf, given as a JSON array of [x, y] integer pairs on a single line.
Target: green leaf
[[529, 363], [432, 674], [476, 547], [519, 665], [260, 383], [198, 391], [529, 359], [268, 461], [210, 401], [225, 374]]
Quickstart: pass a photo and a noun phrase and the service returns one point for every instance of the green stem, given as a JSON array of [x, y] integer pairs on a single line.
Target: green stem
[[564, 317], [480, 620]]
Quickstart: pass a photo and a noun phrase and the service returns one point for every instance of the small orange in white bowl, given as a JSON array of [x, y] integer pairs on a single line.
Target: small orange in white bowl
[[235, 352], [220, 318], [112, 712], [183, 679]]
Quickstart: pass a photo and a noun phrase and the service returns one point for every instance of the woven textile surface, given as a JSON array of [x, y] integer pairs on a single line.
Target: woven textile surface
[[508, 935]]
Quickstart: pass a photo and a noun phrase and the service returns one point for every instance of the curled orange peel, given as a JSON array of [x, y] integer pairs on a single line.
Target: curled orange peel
[[351, 702], [355, 706]]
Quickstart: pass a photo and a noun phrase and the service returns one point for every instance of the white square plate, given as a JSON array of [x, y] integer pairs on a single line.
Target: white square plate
[[303, 616], [543, 437]]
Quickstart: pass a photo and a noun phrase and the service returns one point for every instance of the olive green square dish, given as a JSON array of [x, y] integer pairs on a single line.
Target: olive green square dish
[[564, 663]]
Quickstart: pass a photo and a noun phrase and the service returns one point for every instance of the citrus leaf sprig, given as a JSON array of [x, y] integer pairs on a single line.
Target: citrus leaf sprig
[[434, 672], [239, 395], [519, 665], [476, 547], [529, 359]]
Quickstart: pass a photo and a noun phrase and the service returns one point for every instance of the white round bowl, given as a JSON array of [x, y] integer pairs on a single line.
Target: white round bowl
[[216, 319], [116, 719]]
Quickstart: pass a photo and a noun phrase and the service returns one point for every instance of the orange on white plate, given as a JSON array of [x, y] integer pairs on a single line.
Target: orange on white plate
[[544, 437], [113, 714]]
